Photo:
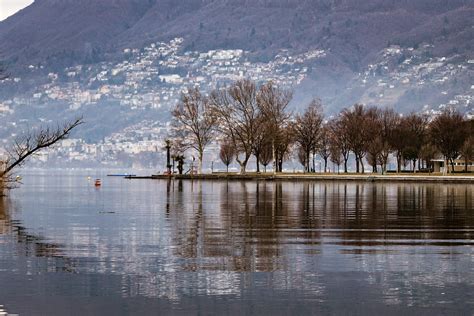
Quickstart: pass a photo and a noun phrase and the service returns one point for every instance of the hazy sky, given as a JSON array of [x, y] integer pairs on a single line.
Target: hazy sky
[[9, 7]]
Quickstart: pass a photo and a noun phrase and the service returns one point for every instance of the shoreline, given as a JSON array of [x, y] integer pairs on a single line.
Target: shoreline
[[469, 179]]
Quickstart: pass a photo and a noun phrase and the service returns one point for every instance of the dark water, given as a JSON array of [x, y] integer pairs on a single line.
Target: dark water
[[199, 248]]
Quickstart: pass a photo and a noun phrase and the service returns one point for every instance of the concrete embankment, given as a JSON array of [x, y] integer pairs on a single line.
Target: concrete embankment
[[469, 179]]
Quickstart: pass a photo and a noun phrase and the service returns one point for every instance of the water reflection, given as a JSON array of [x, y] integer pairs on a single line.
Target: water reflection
[[30, 245], [390, 244], [254, 223]]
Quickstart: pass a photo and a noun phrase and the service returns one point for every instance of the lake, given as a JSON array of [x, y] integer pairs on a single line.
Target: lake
[[153, 247]]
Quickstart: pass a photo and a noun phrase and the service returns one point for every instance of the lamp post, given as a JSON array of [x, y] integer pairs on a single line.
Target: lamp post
[[168, 156]]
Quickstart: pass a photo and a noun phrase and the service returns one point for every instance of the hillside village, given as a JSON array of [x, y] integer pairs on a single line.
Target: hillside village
[[154, 77]]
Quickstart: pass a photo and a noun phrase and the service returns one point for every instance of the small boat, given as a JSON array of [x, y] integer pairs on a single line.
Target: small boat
[[97, 183]]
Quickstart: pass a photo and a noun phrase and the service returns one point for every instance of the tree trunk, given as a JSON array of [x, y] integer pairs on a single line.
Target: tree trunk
[[243, 166], [243, 163], [258, 162], [345, 165], [325, 164], [2, 185], [361, 159], [357, 164], [200, 156], [307, 162], [399, 163], [274, 158]]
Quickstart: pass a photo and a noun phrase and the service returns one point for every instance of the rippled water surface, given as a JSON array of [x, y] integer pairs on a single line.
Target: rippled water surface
[[155, 247]]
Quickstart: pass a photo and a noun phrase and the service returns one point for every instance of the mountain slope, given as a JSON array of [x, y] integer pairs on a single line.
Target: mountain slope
[[63, 30], [82, 30]]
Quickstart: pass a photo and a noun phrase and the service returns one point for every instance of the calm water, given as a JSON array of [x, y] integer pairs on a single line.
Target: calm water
[[156, 248]]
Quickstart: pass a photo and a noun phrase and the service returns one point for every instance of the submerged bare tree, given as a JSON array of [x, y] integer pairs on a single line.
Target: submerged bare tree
[[195, 120], [31, 143]]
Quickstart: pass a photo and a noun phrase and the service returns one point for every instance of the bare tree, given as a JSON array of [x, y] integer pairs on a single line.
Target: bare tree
[[354, 127], [266, 155], [416, 127], [282, 145], [323, 146], [339, 139], [374, 152], [195, 119], [335, 154], [238, 117], [31, 143], [227, 154], [273, 102], [388, 122], [398, 141], [427, 154], [260, 140], [467, 151], [373, 130], [302, 157], [307, 129], [448, 133]]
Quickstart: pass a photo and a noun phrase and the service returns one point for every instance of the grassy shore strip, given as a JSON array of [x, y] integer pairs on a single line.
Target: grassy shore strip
[[458, 178]]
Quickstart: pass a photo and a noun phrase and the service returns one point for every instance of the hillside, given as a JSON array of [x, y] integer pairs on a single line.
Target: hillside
[[123, 63], [84, 30]]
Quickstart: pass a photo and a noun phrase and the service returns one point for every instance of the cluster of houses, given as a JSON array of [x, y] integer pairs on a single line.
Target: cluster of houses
[[398, 69], [156, 75]]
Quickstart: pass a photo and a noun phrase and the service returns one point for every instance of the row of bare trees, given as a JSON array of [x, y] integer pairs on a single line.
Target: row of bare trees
[[255, 121]]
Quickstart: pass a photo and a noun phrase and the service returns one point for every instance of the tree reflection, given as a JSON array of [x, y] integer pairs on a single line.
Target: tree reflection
[[256, 225], [30, 245]]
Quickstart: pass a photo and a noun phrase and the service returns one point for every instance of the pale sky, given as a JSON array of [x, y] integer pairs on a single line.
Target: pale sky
[[9, 7]]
